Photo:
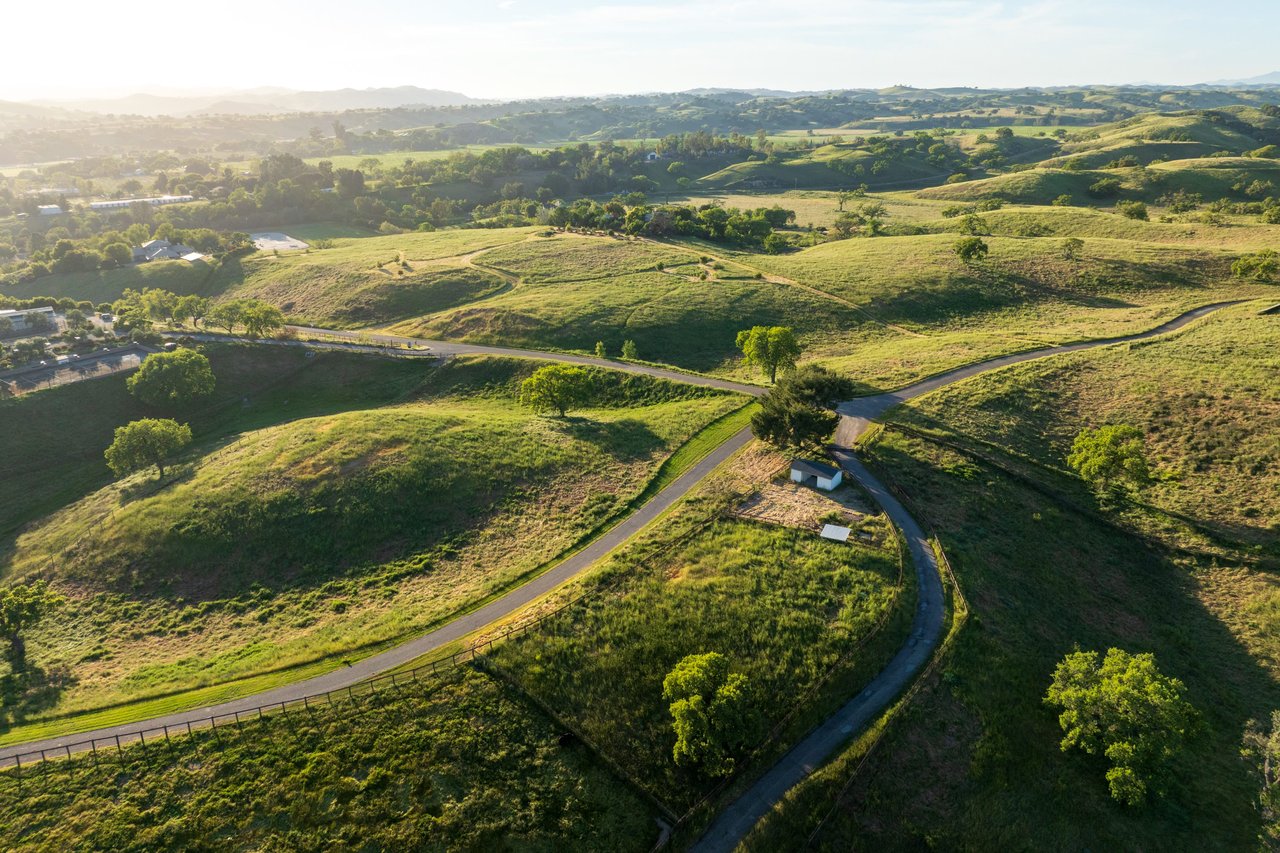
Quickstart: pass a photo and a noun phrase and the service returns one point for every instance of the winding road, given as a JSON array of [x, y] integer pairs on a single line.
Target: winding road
[[733, 824]]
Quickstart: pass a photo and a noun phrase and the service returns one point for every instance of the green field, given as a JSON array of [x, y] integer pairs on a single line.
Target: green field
[[976, 762], [332, 534], [783, 605], [460, 763]]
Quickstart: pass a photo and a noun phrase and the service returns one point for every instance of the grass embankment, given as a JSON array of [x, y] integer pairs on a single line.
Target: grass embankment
[[462, 763], [334, 535], [782, 604], [1025, 295], [976, 763]]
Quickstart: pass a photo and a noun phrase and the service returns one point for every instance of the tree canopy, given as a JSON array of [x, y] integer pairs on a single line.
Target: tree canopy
[[1126, 710], [795, 415], [145, 442], [709, 712], [1110, 456], [771, 348], [558, 388], [172, 377]]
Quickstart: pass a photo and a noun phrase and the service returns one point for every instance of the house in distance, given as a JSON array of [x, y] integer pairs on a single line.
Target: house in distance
[[819, 474]]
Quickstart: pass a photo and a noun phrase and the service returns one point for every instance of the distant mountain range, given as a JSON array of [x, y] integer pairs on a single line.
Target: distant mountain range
[[1272, 79], [263, 101]]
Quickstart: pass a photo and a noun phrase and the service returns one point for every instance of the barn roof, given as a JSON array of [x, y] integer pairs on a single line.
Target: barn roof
[[817, 469]]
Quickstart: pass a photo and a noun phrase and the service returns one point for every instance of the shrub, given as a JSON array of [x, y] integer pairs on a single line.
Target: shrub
[[1132, 209]]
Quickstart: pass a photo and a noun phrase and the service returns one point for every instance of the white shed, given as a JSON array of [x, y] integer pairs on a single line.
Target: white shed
[[820, 474]]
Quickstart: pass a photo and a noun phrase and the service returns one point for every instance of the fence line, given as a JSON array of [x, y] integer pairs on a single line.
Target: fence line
[[961, 615], [22, 761], [800, 705]]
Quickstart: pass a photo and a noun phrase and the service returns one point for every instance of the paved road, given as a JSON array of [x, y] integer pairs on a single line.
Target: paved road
[[402, 654], [736, 821], [743, 813], [448, 348]]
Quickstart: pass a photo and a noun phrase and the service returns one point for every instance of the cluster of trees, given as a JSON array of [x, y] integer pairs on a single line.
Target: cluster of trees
[[921, 146], [1125, 709], [1260, 266], [750, 228], [138, 310], [166, 379], [86, 242]]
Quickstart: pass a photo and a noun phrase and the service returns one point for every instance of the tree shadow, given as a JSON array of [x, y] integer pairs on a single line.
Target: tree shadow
[[28, 689], [625, 440]]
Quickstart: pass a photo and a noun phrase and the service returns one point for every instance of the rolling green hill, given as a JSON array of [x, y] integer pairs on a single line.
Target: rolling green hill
[[333, 534], [1213, 178]]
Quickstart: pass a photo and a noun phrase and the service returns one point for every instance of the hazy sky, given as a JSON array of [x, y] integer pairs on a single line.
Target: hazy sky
[[511, 48]]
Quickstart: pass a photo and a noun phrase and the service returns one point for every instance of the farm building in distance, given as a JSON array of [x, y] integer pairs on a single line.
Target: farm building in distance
[[124, 203], [20, 319], [820, 474], [49, 209], [163, 250]]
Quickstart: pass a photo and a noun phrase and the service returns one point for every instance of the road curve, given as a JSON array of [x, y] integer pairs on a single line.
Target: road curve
[[736, 821], [815, 748], [408, 651], [449, 348]]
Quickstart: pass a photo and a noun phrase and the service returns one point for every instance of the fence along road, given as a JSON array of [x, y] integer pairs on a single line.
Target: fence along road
[[451, 632], [736, 821], [742, 814]]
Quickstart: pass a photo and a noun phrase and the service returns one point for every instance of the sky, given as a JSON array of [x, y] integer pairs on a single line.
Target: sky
[[537, 48]]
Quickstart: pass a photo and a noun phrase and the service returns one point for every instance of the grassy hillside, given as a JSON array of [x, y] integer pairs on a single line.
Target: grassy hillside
[[574, 291], [107, 285], [1208, 400], [1212, 178], [330, 535], [976, 763], [1024, 295], [1157, 136], [352, 282], [463, 764], [834, 165], [256, 387]]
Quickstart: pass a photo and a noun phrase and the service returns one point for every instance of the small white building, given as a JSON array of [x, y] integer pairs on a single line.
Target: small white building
[[819, 474], [163, 250], [49, 210]]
